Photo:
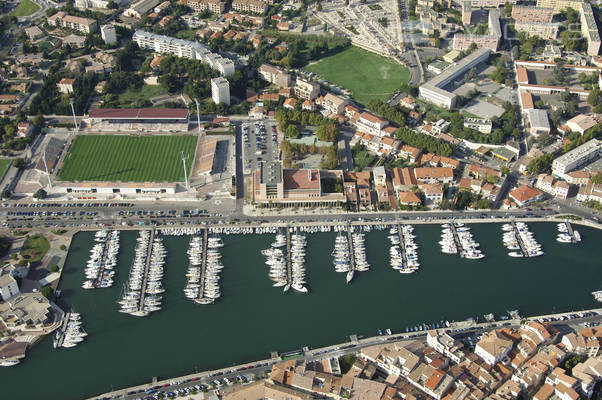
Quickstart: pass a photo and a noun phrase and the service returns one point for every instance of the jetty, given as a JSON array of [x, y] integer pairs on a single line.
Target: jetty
[[519, 239], [289, 266], [350, 243], [62, 330], [402, 246], [201, 299], [147, 262], [575, 237], [457, 241]]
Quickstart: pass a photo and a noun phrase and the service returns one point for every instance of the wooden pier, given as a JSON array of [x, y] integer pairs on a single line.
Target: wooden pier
[[571, 232], [201, 298], [103, 259], [147, 262]]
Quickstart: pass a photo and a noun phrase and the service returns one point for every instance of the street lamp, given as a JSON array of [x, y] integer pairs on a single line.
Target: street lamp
[[73, 111], [198, 115]]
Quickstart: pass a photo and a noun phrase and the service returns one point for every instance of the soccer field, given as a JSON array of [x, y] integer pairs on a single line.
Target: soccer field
[[367, 75], [128, 158], [25, 8]]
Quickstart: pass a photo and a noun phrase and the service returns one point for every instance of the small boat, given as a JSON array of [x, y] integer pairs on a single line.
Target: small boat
[[349, 276], [9, 362]]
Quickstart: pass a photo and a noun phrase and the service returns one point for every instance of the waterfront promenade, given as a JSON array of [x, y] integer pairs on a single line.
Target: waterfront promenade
[[354, 345]]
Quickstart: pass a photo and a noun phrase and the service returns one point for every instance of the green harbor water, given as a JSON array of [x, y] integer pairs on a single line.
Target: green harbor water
[[253, 318]]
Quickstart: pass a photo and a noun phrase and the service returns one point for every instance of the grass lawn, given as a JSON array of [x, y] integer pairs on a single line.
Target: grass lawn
[[25, 8], [367, 75], [4, 164], [128, 158], [36, 246], [146, 92]]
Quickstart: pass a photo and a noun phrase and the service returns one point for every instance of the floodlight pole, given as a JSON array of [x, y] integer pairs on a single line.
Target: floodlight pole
[[46, 167], [198, 115], [73, 111], [185, 173]]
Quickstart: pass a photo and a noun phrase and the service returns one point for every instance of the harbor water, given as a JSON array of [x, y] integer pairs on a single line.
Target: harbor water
[[252, 318]]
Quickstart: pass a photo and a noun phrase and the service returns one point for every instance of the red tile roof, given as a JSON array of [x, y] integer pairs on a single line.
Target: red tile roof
[[140, 113], [301, 179]]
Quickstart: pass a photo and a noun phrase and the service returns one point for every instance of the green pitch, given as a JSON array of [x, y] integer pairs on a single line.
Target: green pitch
[[4, 164], [128, 158], [25, 8], [367, 75]]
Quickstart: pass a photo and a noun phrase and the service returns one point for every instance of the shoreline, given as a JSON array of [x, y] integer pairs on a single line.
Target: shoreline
[[354, 343]]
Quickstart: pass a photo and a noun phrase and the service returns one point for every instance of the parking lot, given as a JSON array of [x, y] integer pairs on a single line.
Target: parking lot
[[260, 143]]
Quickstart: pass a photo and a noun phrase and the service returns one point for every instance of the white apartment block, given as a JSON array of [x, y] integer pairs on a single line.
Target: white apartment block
[[183, 48], [433, 92], [577, 158], [63, 20], [220, 90], [370, 123], [215, 6], [85, 4], [8, 287], [481, 125], [306, 89], [334, 104], [254, 6], [275, 75], [108, 34], [545, 30], [490, 3], [589, 29], [463, 42], [559, 5]]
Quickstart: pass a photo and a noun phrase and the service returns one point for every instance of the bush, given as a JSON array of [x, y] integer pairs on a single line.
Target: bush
[[47, 292], [63, 247], [53, 268]]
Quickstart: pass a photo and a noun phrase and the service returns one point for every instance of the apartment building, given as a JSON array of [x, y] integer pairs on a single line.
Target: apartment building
[[577, 158], [85, 4], [371, 123], [490, 3], [590, 192], [559, 5], [581, 123], [493, 347], [306, 89], [589, 29], [434, 174], [63, 20], [433, 92], [481, 125], [183, 48], [546, 31], [522, 13], [466, 12], [334, 104], [220, 90], [65, 85], [214, 6], [108, 34], [254, 6], [275, 75], [463, 42]]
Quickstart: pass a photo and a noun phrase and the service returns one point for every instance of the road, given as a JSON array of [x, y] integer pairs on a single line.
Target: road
[[564, 322]]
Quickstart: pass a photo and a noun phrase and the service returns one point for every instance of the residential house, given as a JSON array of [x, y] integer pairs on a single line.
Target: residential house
[[524, 195]]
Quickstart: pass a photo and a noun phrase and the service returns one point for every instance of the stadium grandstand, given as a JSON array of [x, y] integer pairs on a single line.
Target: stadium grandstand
[[203, 164], [139, 119], [53, 151]]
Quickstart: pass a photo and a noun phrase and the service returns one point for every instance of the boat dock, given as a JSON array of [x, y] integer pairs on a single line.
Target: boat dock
[[350, 243], [103, 259], [519, 239], [402, 246], [457, 241], [571, 232], [146, 268], [203, 266], [62, 329], [289, 266]]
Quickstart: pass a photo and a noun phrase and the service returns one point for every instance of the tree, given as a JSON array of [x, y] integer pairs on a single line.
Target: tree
[[328, 132], [40, 194], [6, 193], [111, 5], [544, 140], [292, 131], [540, 164], [499, 75], [597, 178], [53, 268], [504, 170], [47, 292], [508, 9], [331, 159], [19, 163], [63, 247], [593, 99]]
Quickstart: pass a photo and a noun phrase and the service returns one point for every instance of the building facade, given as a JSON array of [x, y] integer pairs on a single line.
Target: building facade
[[220, 90]]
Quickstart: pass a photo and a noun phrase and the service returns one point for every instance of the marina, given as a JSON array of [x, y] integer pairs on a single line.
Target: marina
[[518, 238], [103, 258], [566, 234], [403, 250], [448, 289], [71, 333], [457, 238]]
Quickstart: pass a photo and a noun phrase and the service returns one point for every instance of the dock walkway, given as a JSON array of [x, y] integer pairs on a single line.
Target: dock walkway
[[571, 232], [63, 329], [459, 246], [519, 239], [402, 247], [203, 266], [350, 243], [289, 266], [103, 259], [147, 262]]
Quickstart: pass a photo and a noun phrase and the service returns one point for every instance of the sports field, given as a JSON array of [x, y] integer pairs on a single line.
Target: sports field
[[128, 158], [367, 75], [25, 8]]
